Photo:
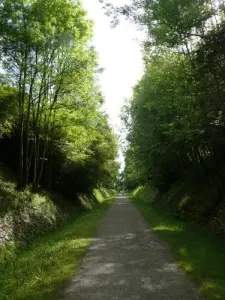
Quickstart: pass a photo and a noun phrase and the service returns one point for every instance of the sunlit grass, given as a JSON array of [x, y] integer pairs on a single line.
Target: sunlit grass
[[42, 270], [197, 252], [101, 194]]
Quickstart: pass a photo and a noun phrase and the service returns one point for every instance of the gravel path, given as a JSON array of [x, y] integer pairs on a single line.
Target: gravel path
[[127, 261]]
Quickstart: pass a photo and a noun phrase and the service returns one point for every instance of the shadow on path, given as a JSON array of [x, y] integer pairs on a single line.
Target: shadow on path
[[127, 261]]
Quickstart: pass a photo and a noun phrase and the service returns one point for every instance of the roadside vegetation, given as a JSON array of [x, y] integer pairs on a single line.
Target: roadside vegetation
[[44, 268], [175, 124], [54, 132], [175, 120], [197, 252], [58, 152], [55, 138]]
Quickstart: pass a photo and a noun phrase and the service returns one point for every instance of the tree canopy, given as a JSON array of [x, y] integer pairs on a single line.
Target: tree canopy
[[177, 109]]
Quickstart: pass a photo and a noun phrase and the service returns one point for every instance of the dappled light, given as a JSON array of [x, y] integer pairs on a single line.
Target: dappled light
[[43, 268], [126, 261], [175, 125], [58, 150], [166, 228], [195, 251], [66, 152]]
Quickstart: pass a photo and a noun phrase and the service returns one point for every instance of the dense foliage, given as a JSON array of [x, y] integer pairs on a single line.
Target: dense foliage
[[53, 131], [177, 112]]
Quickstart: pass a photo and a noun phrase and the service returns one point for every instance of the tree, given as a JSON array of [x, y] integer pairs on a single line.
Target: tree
[[48, 60], [177, 109]]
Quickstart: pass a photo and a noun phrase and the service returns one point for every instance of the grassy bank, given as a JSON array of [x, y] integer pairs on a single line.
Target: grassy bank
[[25, 216], [200, 254], [46, 266]]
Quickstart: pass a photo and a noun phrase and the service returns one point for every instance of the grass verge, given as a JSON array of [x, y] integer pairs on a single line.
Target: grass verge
[[197, 252], [43, 269]]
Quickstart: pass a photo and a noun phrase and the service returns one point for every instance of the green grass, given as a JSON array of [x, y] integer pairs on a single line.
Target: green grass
[[43, 269], [102, 193], [200, 254], [11, 200]]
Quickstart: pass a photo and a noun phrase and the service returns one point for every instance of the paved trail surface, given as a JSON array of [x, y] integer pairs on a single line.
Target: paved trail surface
[[127, 261]]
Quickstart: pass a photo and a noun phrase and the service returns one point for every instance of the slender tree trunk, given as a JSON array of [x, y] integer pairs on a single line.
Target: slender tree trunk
[[35, 164], [28, 152], [50, 171], [42, 165], [20, 185], [202, 162]]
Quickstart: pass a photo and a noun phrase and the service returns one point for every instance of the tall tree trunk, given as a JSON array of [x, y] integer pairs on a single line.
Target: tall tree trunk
[[20, 185], [29, 152], [35, 164], [50, 170], [42, 164]]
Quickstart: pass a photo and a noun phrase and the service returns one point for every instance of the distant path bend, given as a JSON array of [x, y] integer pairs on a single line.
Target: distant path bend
[[126, 261]]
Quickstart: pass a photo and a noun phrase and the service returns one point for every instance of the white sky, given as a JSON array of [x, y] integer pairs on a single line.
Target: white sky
[[119, 55]]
